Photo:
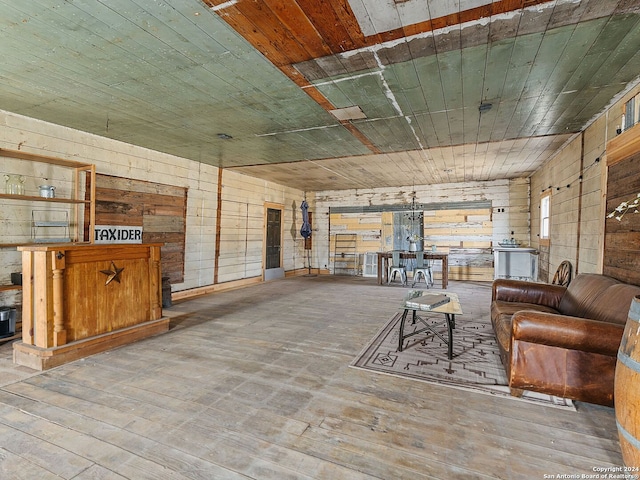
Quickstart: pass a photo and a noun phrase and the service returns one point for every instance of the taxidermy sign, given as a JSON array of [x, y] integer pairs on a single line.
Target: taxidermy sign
[[117, 234]]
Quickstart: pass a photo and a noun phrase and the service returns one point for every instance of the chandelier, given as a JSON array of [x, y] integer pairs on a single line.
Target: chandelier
[[414, 210]]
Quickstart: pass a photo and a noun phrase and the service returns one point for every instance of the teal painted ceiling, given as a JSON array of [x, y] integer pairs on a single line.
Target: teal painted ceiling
[[171, 76]]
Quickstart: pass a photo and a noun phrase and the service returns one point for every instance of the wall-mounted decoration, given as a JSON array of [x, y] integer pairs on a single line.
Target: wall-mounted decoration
[[113, 274]]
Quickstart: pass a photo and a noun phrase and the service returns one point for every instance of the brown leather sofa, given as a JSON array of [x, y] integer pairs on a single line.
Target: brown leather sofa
[[562, 341]]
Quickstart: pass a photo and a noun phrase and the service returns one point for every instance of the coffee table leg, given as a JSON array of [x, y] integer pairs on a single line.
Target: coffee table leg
[[451, 322], [401, 333]]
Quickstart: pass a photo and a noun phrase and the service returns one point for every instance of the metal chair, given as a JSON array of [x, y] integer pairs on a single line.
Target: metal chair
[[423, 267], [396, 266]]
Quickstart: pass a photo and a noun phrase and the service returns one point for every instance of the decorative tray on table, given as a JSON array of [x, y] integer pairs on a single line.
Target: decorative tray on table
[[509, 245]]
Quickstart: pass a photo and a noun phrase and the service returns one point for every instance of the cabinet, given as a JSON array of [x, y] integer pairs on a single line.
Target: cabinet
[[73, 309], [519, 263]]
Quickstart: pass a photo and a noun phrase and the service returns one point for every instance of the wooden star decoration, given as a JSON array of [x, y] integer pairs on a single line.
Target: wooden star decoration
[[113, 274]]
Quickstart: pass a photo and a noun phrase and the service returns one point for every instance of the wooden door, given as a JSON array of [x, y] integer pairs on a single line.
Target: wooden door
[[273, 243]]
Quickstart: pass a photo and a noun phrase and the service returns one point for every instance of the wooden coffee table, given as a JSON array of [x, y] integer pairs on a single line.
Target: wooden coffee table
[[449, 310]]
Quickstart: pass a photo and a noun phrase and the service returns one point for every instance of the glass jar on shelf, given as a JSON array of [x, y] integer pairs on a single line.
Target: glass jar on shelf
[[14, 184]]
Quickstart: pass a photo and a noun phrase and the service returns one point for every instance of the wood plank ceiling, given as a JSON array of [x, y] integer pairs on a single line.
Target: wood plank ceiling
[[325, 95]]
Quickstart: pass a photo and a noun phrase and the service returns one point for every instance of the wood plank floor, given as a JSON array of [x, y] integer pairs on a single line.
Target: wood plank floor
[[255, 384]]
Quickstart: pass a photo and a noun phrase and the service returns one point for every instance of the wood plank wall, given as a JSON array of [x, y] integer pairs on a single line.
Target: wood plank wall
[[159, 209], [622, 237], [465, 234]]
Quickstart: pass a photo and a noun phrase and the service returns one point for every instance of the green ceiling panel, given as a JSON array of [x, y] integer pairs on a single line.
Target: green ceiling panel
[[523, 55], [614, 65], [441, 127], [457, 126], [395, 131], [521, 118], [450, 67], [470, 118], [502, 118], [115, 66], [498, 62], [402, 76], [171, 75], [333, 92], [473, 64], [618, 32], [424, 124], [547, 58], [361, 90], [432, 88], [571, 62], [411, 101]]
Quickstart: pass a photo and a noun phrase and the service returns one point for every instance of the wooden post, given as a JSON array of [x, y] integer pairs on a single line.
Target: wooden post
[[155, 283], [40, 300], [58, 265], [27, 298]]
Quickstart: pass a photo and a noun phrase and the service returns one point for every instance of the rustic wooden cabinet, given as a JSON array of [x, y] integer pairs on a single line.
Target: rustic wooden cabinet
[[83, 299]]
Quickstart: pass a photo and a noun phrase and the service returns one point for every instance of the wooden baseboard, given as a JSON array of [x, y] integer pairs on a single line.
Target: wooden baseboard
[[45, 358], [245, 282], [299, 272], [219, 287]]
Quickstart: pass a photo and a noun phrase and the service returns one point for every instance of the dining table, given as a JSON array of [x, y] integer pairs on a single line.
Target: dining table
[[383, 264]]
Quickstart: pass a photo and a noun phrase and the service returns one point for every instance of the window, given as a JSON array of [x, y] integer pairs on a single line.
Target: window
[[545, 204], [630, 114], [629, 110]]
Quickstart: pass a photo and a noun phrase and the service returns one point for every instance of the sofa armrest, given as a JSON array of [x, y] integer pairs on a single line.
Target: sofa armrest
[[527, 292], [572, 333]]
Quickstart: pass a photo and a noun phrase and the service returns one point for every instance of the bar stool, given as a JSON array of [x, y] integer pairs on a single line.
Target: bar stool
[[396, 267], [423, 267]]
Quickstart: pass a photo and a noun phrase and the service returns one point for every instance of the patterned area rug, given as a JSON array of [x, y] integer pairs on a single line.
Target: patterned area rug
[[475, 364]]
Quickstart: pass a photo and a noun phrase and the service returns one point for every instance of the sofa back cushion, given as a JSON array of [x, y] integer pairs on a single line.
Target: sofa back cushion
[[615, 303], [584, 293]]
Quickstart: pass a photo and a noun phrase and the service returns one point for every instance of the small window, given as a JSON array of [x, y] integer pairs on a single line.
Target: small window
[[545, 209], [629, 114]]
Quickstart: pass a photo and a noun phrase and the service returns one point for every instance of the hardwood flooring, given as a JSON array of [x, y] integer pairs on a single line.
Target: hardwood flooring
[[255, 383]]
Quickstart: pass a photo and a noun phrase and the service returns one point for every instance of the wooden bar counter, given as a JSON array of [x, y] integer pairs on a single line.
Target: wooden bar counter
[[83, 299]]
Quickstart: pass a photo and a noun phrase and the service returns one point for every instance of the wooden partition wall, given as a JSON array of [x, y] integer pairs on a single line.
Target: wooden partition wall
[[622, 236], [160, 209], [83, 299]]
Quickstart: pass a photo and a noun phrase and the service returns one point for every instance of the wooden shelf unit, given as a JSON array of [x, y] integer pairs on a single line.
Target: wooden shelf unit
[[31, 198], [75, 199]]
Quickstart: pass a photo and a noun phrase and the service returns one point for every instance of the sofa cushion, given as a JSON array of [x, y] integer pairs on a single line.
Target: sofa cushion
[[584, 293], [521, 291], [501, 313], [613, 305]]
